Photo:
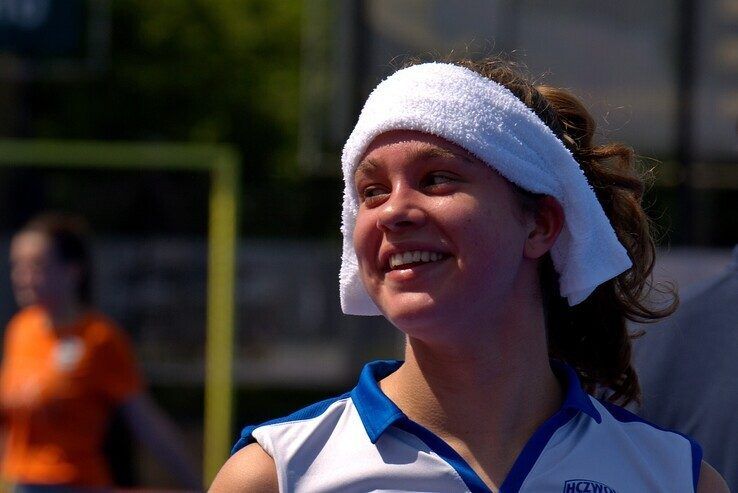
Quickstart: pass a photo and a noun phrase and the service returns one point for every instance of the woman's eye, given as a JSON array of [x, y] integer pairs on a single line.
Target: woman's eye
[[437, 179], [371, 193]]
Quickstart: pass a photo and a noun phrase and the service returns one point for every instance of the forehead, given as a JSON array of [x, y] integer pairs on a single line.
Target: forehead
[[413, 144], [30, 243]]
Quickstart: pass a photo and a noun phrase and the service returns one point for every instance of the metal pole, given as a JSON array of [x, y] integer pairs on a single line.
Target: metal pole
[[220, 314], [359, 66], [686, 40]]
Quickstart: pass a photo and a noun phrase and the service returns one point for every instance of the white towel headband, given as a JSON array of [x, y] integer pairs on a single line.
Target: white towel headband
[[487, 120]]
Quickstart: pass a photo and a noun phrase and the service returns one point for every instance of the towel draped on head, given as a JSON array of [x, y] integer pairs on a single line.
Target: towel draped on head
[[487, 120]]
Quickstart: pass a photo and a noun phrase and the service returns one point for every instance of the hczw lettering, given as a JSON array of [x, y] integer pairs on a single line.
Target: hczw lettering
[[585, 486]]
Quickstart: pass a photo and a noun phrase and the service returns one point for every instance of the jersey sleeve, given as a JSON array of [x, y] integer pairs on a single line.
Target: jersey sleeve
[[116, 374], [20, 350], [6, 365]]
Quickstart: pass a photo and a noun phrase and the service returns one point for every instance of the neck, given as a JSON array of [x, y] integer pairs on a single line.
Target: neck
[[64, 315], [508, 391], [485, 398]]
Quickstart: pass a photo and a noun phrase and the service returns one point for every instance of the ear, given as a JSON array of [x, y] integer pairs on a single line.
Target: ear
[[547, 224]]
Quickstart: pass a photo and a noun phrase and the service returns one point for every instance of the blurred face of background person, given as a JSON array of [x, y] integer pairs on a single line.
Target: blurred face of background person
[[38, 275]]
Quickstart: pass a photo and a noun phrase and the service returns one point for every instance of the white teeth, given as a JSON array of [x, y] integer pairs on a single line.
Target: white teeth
[[413, 257]]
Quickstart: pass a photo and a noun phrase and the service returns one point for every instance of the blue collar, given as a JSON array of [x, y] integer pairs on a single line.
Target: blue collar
[[575, 398], [378, 412], [375, 409]]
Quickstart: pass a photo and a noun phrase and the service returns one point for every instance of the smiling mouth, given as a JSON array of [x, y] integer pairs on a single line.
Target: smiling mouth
[[410, 259]]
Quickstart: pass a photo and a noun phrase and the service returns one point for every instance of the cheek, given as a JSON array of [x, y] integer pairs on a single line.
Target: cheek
[[26, 277], [495, 244], [366, 239], [19, 276]]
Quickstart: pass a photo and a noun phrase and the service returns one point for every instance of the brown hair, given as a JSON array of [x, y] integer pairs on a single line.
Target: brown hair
[[592, 336], [69, 236]]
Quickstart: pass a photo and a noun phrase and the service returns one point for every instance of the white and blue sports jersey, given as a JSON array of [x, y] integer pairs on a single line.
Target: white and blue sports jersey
[[361, 442]]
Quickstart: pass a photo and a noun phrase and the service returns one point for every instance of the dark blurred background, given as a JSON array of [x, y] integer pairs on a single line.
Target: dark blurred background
[[283, 82]]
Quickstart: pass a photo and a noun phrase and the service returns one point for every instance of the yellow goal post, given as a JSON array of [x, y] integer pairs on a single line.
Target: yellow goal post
[[222, 162]]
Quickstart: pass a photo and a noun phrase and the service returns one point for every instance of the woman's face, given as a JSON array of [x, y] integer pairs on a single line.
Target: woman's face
[[439, 235], [37, 274]]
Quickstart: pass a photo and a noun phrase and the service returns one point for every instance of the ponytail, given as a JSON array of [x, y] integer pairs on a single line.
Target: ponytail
[[592, 336]]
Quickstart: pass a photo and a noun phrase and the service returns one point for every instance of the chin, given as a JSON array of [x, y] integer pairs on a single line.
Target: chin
[[24, 299], [416, 313]]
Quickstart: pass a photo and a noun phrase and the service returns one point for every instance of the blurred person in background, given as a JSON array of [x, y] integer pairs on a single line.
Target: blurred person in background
[[67, 369], [688, 369], [480, 218]]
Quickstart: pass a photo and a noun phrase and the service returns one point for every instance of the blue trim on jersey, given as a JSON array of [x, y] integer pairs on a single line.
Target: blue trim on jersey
[[376, 410], [309, 412], [533, 450], [444, 450], [575, 398], [575, 401], [378, 413], [625, 416]]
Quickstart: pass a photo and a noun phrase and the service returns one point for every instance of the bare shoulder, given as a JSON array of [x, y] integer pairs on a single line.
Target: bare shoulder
[[711, 481], [250, 469]]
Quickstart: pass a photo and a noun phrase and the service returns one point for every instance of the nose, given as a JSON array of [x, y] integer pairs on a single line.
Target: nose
[[401, 211], [21, 276]]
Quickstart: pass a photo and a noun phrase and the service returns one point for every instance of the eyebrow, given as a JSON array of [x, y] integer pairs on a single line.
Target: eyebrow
[[427, 152], [366, 167]]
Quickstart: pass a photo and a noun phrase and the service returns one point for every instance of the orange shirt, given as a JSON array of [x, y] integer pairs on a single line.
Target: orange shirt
[[57, 396]]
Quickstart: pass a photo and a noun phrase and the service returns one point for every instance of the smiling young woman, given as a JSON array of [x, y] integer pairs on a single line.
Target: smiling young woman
[[480, 219]]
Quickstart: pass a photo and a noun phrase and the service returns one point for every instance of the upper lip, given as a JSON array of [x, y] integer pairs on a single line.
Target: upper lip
[[391, 249]]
